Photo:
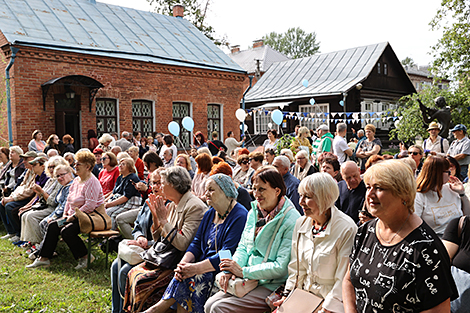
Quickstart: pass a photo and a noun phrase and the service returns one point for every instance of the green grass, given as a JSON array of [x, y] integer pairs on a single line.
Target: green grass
[[59, 288]]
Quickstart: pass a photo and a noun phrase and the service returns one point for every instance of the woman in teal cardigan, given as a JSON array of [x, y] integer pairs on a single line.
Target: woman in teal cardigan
[[272, 215]]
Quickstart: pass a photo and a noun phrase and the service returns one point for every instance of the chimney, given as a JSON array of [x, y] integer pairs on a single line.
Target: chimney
[[258, 43], [178, 11], [235, 49]]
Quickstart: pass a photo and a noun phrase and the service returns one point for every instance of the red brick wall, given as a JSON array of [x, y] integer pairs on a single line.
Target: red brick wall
[[124, 80]]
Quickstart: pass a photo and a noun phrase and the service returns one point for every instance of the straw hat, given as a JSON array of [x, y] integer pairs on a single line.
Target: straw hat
[[433, 125]]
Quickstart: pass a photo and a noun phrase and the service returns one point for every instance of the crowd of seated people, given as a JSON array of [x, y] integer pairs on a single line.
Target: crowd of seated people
[[303, 220]]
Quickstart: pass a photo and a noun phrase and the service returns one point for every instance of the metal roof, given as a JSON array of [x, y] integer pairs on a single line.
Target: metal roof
[[109, 30], [267, 55], [327, 74]]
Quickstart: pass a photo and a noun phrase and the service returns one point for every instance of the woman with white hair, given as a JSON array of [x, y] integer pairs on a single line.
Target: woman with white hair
[[42, 204], [303, 167], [105, 142], [14, 168], [321, 243]]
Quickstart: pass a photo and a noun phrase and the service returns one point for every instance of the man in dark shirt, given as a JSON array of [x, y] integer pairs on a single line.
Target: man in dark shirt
[[216, 145], [282, 164], [352, 190]]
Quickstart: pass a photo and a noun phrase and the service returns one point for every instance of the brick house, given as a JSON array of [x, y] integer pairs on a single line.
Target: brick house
[[421, 77], [84, 65]]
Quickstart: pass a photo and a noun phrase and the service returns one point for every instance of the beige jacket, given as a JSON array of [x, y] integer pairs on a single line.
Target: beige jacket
[[324, 259], [25, 190], [187, 215]]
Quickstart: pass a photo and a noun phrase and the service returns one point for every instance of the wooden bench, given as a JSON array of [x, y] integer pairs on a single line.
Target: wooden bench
[[101, 234]]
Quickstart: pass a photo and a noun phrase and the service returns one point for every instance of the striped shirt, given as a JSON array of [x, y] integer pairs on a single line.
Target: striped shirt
[[86, 196]]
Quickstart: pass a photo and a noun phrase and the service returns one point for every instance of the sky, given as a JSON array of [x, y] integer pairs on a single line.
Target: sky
[[339, 24]]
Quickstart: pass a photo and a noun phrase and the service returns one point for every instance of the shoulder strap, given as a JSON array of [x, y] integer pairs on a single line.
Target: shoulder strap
[[442, 145], [275, 233], [298, 265], [424, 143], [461, 220]]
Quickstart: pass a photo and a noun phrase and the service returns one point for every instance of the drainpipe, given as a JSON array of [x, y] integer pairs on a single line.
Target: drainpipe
[[243, 106], [14, 51]]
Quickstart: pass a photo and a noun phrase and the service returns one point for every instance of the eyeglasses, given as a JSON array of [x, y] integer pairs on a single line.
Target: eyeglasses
[[250, 159], [104, 158], [415, 153], [51, 167], [448, 172], [155, 183], [61, 175], [300, 158], [245, 162]]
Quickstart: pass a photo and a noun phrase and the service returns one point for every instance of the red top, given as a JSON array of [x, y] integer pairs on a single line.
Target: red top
[[108, 179], [93, 144], [139, 166]]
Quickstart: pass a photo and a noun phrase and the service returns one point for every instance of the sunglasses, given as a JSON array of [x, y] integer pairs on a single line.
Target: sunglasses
[[415, 153], [245, 162], [102, 159]]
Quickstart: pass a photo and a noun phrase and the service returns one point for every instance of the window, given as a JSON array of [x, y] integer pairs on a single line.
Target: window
[[213, 120], [379, 109], [180, 111], [261, 120], [378, 68], [142, 117], [385, 69], [106, 116], [319, 116]]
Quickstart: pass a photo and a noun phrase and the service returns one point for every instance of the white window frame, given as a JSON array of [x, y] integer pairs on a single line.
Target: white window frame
[[317, 121]]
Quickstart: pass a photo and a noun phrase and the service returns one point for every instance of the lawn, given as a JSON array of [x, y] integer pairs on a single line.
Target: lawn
[[59, 288]]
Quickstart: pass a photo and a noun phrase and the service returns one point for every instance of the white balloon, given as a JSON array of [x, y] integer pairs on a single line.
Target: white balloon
[[240, 114], [270, 125], [246, 127]]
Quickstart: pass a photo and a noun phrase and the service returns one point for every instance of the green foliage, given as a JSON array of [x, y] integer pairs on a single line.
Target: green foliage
[[408, 62], [452, 52], [411, 124], [284, 143], [294, 43], [194, 11]]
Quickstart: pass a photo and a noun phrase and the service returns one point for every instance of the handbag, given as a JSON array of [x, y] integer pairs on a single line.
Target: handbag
[[163, 253], [239, 287], [40, 205], [96, 220], [299, 300], [130, 253]]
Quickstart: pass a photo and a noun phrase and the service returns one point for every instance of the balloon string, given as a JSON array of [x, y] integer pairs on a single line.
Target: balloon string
[[182, 145]]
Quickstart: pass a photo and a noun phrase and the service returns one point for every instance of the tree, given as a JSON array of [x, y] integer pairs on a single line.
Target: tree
[[410, 124], [408, 62], [195, 11], [452, 52], [294, 43]]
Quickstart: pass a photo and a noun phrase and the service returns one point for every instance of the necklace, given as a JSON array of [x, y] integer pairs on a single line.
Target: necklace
[[222, 217], [388, 242], [319, 230]]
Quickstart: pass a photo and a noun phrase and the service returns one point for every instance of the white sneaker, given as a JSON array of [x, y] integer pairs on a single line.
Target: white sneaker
[[15, 238], [38, 263], [7, 236], [82, 262]]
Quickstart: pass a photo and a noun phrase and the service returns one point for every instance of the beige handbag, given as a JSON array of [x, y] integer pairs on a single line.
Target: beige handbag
[[299, 300], [239, 287], [96, 220]]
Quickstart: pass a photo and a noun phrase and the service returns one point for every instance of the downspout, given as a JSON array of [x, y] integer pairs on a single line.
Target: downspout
[[243, 107], [14, 51]]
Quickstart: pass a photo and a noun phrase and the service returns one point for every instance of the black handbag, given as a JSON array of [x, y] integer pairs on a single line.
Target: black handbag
[[40, 205], [163, 253]]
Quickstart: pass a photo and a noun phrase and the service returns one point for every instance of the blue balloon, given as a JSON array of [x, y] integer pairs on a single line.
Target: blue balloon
[[341, 103], [276, 116], [312, 101], [174, 128], [305, 83], [188, 123]]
